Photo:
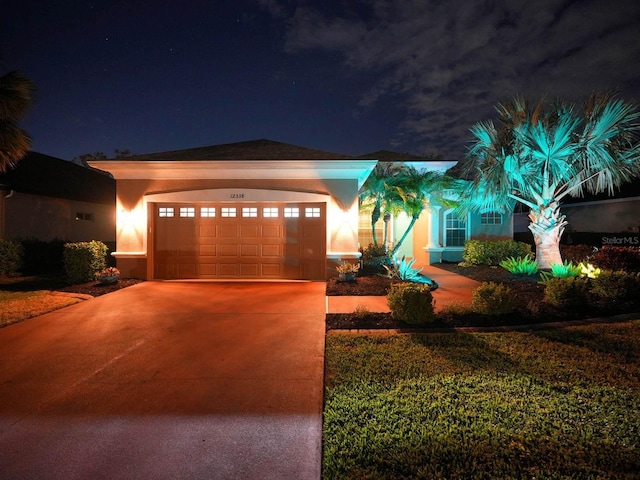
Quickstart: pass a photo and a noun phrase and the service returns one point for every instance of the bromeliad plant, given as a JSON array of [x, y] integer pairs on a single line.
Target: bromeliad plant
[[521, 265]]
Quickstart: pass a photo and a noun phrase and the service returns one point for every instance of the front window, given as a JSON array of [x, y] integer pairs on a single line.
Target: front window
[[455, 230], [491, 218]]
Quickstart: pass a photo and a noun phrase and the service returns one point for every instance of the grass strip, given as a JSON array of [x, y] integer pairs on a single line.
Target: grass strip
[[545, 404], [17, 306]]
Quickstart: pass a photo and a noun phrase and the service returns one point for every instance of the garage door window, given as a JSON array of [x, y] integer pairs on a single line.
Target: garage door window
[[208, 212], [270, 212], [250, 212], [312, 212], [187, 212], [228, 211], [291, 212], [165, 212]]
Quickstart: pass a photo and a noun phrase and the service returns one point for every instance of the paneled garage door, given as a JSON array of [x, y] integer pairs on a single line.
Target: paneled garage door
[[228, 240]]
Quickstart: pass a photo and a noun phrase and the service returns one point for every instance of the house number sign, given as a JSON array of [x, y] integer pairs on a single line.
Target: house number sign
[[236, 195]]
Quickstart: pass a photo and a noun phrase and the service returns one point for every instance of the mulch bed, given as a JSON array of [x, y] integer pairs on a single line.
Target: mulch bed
[[527, 291]]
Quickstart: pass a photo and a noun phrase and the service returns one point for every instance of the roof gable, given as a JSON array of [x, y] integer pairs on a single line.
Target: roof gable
[[252, 150]]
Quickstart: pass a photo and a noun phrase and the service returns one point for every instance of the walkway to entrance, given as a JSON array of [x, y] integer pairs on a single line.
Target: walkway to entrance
[[167, 380]]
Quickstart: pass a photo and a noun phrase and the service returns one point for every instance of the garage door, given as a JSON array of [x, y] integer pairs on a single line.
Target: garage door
[[227, 240]]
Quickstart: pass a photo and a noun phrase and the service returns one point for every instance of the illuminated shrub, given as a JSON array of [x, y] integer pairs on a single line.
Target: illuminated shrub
[[566, 292], [411, 303], [83, 259], [483, 252], [492, 298], [617, 258], [616, 287]]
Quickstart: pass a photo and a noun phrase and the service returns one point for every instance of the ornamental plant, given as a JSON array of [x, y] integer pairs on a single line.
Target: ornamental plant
[[492, 298], [411, 303], [521, 265], [562, 270]]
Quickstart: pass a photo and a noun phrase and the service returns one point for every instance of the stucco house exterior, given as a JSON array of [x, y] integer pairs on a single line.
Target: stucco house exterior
[[598, 220], [47, 198], [440, 233], [260, 210]]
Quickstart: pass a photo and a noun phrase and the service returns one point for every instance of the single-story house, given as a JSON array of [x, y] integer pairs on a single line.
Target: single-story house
[[47, 198], [261, 210], [598, 219]]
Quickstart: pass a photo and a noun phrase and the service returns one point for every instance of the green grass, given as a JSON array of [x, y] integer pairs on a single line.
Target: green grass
[[544, 404], [18, 306]]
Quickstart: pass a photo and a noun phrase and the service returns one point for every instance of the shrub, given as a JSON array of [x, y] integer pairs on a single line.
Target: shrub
[[577, 253], [521, 265], [617, 258], [11, 255], [43, 257], [566, 292], [481, 252], [375, 258], [83, 259], [492, 298], [616, 287], [411, 303]]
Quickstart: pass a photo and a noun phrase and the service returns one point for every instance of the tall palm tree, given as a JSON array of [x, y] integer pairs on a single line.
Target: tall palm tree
[[538, 156], [413, 190], [16, 96], [375, 194]]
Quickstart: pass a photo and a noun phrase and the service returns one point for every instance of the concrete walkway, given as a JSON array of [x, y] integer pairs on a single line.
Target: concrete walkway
[[167, 380], [452, 288]]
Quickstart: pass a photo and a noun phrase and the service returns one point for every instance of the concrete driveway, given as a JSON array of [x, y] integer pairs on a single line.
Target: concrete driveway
[[167, 380]]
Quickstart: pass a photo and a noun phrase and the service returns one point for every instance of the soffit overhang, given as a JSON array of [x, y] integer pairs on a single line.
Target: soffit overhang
[[244, 170]]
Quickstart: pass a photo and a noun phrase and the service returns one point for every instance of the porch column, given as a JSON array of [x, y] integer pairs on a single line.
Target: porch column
[[434, 228]]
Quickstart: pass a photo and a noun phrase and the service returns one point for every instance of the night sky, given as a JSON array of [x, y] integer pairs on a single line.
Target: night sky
[[345, 76]]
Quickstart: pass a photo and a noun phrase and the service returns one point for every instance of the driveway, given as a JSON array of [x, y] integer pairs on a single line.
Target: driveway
[[167, 380]]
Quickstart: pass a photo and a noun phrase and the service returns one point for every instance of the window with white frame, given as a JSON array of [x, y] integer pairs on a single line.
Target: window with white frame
[[491, 218], [207, 212], [188, 212], [165, 211], [270, 212], [228, 212], [250, 212], [312, 212], [291, 212], [455, 229]]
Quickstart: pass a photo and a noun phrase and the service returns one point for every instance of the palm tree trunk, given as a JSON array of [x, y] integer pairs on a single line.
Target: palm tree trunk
[[397, 246], [387, 219], [547, 225], [375, 216]]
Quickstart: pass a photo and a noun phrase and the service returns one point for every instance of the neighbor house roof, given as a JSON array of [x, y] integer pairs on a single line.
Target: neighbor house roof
[[39, 174], [252, 150]]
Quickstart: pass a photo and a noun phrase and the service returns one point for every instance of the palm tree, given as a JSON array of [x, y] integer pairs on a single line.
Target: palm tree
[[538, 156], [375, 193], [16, 96], [413, 190]]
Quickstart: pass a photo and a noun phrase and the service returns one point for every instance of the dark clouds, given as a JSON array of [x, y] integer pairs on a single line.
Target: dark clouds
[[448, 62], [349, 76]]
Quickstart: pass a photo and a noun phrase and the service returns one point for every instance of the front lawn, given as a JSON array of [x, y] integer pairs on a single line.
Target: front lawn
[[543, 404], [18, 306]]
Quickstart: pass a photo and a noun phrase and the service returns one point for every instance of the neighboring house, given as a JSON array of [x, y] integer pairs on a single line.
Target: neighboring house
[[46, 198], [593, 216], [440, 233], [256, 210]]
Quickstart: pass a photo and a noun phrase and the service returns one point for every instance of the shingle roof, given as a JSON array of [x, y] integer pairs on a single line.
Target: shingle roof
[[40, 174], [389, 156], [252, 150]]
